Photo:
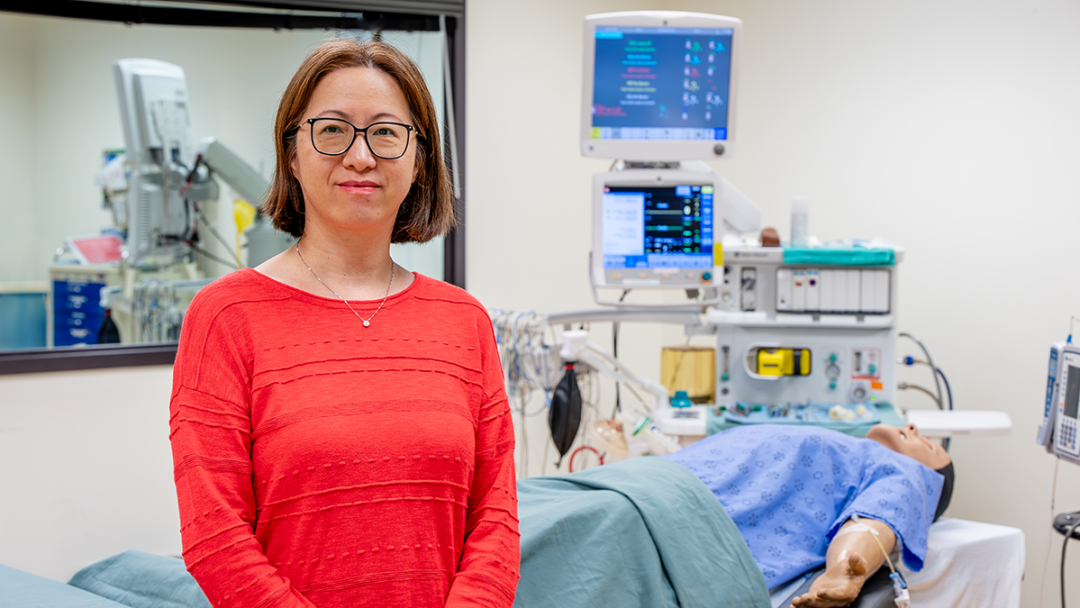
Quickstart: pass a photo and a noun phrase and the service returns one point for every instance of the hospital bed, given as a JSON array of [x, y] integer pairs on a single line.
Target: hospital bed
[[968, 564]]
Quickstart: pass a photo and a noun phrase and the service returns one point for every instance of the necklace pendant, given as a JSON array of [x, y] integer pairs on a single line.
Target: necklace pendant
[[367, 323]]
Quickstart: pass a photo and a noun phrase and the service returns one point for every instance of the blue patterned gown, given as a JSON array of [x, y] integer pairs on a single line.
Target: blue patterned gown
[[790, 488]]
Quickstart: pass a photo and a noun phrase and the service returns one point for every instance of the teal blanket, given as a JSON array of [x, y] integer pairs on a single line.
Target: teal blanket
[[641, 533]]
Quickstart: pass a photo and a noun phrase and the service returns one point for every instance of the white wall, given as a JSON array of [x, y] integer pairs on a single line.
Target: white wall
[[86, 468], [947, 128]]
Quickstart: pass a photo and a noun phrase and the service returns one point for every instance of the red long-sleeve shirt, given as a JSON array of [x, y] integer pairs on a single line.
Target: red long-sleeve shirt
[[322, 463]]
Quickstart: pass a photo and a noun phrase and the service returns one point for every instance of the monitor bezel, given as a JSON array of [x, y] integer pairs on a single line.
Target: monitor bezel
[[657, 150], [131, 77], [643, 178]]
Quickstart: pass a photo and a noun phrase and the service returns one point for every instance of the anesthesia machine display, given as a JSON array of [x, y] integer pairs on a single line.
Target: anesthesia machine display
[[655, 231], [659, 85], [658, 94]]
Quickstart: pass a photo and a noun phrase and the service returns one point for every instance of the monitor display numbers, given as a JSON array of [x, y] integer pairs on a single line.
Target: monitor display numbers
[[657, 228], [661, 83]]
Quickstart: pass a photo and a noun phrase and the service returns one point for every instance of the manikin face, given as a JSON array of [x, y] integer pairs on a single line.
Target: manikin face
[[906, 440], [356, 190]]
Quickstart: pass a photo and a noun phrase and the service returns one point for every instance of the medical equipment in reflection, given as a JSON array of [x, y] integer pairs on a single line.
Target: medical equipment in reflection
[[158, 307], [169, 174], [160, 153], [157, 189]]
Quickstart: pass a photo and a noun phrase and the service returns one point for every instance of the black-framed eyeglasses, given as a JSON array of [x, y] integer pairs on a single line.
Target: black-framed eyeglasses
[[334, 137]]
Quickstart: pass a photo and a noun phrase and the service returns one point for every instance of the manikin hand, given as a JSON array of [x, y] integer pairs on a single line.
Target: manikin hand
[[856, 552], [837, 586]]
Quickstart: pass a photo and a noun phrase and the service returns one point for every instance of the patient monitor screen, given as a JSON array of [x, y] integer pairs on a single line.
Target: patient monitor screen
[[652, 228], [661, 83]]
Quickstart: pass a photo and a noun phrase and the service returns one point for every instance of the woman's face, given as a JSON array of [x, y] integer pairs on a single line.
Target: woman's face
[[356, 190], [906, 440]]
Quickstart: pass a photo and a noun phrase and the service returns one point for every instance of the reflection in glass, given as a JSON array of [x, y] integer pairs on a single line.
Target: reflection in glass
[[85, 187]]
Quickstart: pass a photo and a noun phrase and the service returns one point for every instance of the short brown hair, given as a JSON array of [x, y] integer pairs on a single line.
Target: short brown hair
[[428, 208]]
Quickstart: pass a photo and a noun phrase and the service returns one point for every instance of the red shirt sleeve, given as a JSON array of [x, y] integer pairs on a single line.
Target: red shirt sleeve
[[210, 431], [490, 562]]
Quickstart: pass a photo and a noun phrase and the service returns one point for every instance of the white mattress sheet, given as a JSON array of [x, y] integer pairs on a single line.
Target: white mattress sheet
[[969, 563]]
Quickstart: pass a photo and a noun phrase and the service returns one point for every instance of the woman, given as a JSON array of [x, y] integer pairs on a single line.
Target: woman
[[340, 432]]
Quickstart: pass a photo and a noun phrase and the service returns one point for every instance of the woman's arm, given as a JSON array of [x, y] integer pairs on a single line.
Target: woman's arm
[[853, 556], [210, 431], [491, 558]]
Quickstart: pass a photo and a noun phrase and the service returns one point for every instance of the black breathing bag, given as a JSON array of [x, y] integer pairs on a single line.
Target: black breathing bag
[[564, 415]]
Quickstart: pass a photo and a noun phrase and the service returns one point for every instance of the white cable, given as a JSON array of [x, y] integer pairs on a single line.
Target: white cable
[[1050, 533]]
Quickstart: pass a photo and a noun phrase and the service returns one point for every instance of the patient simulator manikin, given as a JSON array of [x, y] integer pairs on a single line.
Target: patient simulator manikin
[[787, 489], [854, 553]]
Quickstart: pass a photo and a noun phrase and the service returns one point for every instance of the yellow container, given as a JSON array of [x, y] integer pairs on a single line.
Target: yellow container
[[691, 369], [782, 361], [774, 363]]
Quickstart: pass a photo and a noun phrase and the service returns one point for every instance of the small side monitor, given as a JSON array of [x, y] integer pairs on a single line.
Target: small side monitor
[[1067, 423], [655, 229], [659, 85]]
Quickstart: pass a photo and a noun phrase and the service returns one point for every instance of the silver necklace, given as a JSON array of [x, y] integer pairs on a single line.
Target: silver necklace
[[367, 321]]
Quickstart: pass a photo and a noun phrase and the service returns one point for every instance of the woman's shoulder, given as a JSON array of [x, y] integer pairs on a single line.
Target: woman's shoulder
[[240, 287], [443, 293]]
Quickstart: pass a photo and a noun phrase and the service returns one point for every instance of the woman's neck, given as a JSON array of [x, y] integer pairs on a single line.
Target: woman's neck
[[354, 266], [348, 260]]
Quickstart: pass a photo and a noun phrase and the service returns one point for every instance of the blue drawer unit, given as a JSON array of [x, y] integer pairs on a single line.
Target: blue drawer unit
[[77, 312], [72, 295]]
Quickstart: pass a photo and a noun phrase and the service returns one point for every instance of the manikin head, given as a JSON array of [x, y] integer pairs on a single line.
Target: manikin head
[[906, 440]]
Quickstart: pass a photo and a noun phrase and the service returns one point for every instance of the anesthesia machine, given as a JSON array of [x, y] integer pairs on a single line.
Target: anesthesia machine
[[804, 332], [794, 327], [801, 332]]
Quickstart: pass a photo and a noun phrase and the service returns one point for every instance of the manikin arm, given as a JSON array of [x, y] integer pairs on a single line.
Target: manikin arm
[[852, 557]]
